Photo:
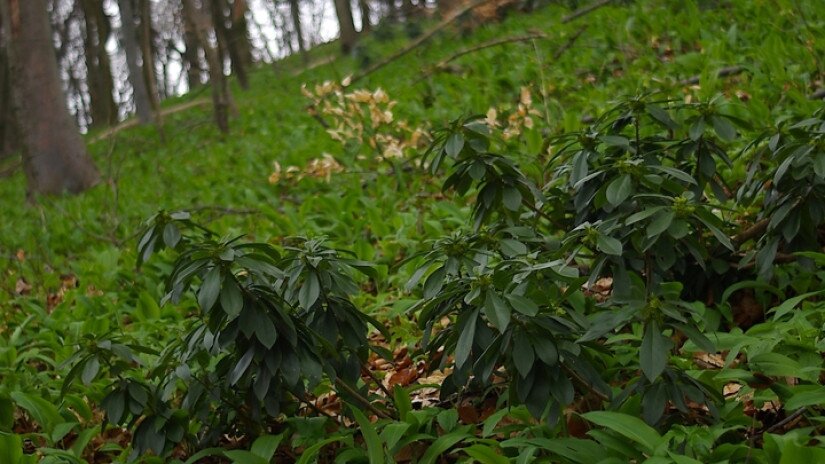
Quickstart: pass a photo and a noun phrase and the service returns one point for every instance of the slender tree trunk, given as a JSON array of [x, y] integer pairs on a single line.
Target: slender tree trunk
[[147, 54], [9, 135], [348, 37], [295, 12], [239, 36], [364, 6], [226, 46], [98, 65], [221, 99], [191, 55], [55, 158], [143, 107]]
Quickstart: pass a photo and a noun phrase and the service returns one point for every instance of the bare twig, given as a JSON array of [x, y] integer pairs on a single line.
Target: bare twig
[[570, 41], [223, 209], [355, 394], [751, 232], [795, 415], [724, 72], [441, 65], [134, 122], [484, 45], [584, 10], [419, 41]]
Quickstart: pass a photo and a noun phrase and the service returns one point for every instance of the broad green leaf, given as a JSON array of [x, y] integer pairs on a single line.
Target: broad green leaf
[[497, 311], [442, 444], [244, 457], [465, 340], [813, 395], [512, 248], [609, 245], [660, 223], [42, 411], [11, 448], [723, 128], [523, 355], [310, 291], [171, 235], [454, 144], [511, 198], [628, 426], [654, 351], [242, 365], [375, 451], [619, 189], [309, 454], [522, 304], [231, 297], [90, 369], [485, 454], [210, 289], [791, 303], [393, 433], [266, 445]]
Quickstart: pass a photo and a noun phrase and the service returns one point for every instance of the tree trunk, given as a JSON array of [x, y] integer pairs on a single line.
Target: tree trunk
[[295, 12], [364, 6], [143, 107], [9, 135], [239, 33], [221, 99], [191, 55], [98, 65], [343, 9], [147, 54], [55, 158], [227, 47]]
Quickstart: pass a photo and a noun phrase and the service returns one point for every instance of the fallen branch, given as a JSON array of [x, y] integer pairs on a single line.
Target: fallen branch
[[570, 41], [441, 65], [419, 41], [134, 122], [482, 46], [724, 72], [584, 10]]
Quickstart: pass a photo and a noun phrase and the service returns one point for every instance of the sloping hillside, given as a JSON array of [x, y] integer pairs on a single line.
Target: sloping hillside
[[350, 163]]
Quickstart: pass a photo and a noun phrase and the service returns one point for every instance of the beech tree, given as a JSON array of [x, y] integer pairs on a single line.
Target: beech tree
[[348, 36], [295, 12], [140, 95], [54, 157], [98, 64], [198, 21]]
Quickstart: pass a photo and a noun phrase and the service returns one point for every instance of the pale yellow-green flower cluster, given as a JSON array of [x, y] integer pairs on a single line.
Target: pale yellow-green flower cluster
[[366, 118]]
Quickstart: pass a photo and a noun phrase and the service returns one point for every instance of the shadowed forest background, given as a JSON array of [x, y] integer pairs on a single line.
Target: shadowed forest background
[[495, 231]]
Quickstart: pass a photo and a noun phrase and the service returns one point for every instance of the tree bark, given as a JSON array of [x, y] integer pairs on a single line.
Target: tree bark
[[147, 54], [364, 6], [9, 136], [140, 96], [348, 37], [295, 12], [221, 98], [239, 32], [55, 158], [226, 46], [191, 54], [98, 65]]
